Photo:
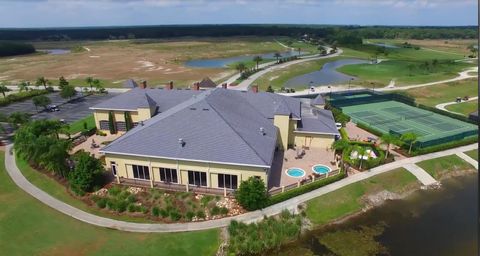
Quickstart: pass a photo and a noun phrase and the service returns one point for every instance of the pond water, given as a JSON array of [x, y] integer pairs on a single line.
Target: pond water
[[325, 76], [55, 51], [385, 45], [434, 222], [224, 62]]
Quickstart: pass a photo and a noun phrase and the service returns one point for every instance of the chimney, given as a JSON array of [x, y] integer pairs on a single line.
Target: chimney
[[255, 88], [224, 85], [143, 84], [169, 86], [196, 86]]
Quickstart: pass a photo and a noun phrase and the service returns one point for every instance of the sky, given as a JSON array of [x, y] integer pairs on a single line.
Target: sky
[[79, 13]]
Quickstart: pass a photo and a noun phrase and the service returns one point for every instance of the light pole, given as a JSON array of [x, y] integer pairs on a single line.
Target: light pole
[[351, 79], [373, 85]]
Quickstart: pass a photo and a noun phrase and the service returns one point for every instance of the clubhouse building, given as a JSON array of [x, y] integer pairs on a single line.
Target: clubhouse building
[[205, 139]]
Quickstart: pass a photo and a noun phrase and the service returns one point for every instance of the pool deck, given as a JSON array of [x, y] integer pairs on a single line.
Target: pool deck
[[285, 160]]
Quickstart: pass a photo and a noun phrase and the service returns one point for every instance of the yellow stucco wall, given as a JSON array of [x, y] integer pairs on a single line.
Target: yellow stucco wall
[[284, 130], [141, 114], [313, 140], [124, 169]]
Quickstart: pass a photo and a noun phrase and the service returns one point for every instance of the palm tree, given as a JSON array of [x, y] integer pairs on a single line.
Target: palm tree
[[340, 145], [89, 81], [240, 67], [409, 138], [96, 83], [23, 86], [388, 139], [277, 55], [257, 59], [4, 89], [42, 81], [361, 151]]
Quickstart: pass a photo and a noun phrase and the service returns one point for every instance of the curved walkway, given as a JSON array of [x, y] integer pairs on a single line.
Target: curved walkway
[[443, 106], [290, 204]]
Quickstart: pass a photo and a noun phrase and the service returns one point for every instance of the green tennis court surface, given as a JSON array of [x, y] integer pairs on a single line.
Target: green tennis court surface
[[394, 117]]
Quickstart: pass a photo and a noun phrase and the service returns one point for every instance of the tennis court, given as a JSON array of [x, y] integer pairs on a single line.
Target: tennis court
[[389, 116]]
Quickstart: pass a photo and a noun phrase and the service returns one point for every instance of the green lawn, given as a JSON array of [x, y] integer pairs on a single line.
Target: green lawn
[[348, 200], [441, 93], [78, 126], [404, 72], [28, 227], [473, 154], [438, 167], [464, 108]]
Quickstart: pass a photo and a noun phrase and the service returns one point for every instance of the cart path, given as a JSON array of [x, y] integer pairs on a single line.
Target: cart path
[[443, 106], [421, 174], [254, 216]]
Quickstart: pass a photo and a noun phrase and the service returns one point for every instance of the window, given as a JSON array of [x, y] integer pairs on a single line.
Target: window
[[114, 168], [104, 125], [135, 124], [141, 172], [197, 178], [121, 126], [168, 175], [227, 181]]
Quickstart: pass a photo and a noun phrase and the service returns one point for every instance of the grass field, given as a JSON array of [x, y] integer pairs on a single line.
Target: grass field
[[464, 108], [349, 199], [441, 93], [28, 227], [78, 126], [454, 46], [439, 167], [157, 61], [473, 154]]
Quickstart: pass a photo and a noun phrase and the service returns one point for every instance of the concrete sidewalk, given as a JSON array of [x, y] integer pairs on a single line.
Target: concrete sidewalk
[[421, 174], [249, 217]]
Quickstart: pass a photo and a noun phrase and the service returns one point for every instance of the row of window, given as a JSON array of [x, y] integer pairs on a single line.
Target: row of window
[[120, 126], [195, 178]]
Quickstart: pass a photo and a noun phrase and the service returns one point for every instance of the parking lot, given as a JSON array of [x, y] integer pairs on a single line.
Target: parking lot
[[71, 111]]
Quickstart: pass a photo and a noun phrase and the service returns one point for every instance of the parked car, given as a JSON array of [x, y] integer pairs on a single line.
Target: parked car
[[52, 108], [338, 125]]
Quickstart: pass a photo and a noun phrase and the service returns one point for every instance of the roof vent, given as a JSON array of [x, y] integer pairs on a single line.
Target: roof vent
[[181, 142], [193, 108], [141, 123], [262, 131], [205, 109]]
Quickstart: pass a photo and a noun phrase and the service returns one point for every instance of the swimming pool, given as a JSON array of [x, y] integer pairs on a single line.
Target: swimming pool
[[321, 169], [295, 172]]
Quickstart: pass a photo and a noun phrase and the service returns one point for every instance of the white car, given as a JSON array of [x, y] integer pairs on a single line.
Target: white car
[[338, 125]]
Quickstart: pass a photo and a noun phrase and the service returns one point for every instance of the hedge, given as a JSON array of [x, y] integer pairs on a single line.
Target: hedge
[[20, 96], [445, 146], [343, 134], [304, 189]]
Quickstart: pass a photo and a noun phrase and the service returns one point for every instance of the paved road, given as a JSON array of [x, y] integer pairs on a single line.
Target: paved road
[[443, 106], [258, 215]]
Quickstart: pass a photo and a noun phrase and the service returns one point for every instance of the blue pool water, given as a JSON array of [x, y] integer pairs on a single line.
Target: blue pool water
[[295, 172], [320, 169]]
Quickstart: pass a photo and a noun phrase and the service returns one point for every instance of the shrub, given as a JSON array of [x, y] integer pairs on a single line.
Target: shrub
[[444, 146], [223, 211], [95, 198], [86, 173], [20, 96], [123, 195], [131, 208], [206, 199], [215, 210], [252, 194], [122, 206], [143, 209], [115, 190], [111, 204], [200, 214], [131, 199], [304, 189], [175, 215], [163, 213], [155, 211], [101, 203], [189, 215]]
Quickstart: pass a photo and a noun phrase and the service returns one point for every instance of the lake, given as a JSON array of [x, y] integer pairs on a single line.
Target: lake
[[434, 222], [224, 62], [55, 51], [325, 76]]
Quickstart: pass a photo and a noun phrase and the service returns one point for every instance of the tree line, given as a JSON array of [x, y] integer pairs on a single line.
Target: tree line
[[167, 31], [15, 48]]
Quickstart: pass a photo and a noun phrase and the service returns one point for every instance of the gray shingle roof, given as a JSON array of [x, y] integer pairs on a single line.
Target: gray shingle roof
[[269, 103], [142, 98], [322, 122], [207, 83], [216, 126], [319, 100], [130, 83]]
